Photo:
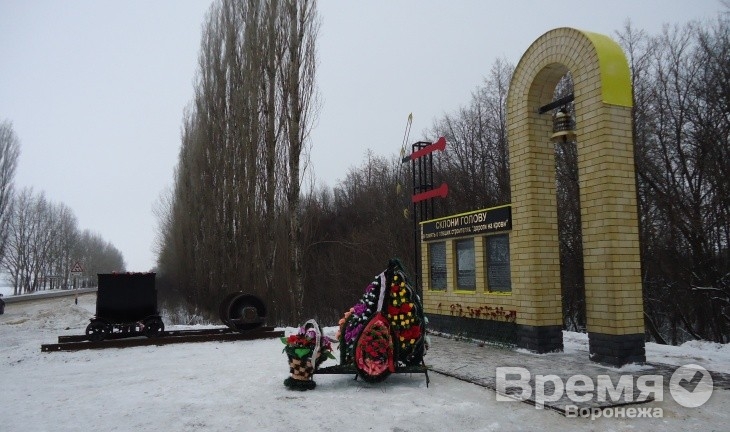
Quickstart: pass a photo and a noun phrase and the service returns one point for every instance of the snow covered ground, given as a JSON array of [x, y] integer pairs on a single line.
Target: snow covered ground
[[223, 386], [710, 355]]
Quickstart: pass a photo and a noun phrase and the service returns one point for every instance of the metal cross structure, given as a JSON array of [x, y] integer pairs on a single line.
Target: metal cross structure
[[421, 159]]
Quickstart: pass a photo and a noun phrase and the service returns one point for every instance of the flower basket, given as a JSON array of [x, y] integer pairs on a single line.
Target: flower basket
[[308, 342], [301, 371]]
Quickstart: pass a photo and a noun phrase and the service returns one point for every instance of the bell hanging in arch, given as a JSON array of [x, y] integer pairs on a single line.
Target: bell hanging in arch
[[563, 126]]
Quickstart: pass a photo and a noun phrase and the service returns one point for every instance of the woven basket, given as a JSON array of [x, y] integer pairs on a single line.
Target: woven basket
[[301, 369]]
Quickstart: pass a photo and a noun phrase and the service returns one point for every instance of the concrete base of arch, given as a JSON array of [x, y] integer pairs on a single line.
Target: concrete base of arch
[[616, 350], [540, 339]]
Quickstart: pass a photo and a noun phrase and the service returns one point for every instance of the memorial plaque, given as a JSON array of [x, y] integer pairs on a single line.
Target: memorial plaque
[[498, 271], [438, 265], [485, 221]]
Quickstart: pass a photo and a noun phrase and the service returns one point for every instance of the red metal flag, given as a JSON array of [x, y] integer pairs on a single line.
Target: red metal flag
[[440, 191], [440, 144]]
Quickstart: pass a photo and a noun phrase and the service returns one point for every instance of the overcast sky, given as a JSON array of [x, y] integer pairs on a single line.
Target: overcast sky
[[96, 89]]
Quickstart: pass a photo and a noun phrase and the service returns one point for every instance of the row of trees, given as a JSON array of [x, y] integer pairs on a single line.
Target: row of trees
[[232, 221], [235, 220], [682, 132], [40, 240]]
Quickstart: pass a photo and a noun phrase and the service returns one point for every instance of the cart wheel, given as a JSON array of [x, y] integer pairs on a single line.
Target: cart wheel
[[97, 330], [223, 308], [153, 327], [242, 312]]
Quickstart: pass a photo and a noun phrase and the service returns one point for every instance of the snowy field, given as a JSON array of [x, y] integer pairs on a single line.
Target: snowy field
[[224, 386]]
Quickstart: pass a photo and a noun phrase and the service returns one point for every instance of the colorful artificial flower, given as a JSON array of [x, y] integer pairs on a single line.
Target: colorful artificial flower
[[301, 345], [401, 311]]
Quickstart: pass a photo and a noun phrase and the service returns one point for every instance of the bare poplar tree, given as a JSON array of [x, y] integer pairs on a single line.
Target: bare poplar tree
[[232, 220], [301, 25], [65, 238], [18, 258], [9, 154]]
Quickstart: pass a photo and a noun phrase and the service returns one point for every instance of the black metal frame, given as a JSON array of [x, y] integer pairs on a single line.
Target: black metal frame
[[556, 104], [422, 174]]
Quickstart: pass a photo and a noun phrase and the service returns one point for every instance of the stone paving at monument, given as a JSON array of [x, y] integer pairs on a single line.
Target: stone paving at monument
[[476, 362]]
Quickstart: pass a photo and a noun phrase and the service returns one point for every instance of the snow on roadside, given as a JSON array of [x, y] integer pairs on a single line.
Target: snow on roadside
[[220, 386]]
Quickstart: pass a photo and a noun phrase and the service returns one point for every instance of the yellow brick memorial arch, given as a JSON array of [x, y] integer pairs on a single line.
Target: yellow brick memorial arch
[[603, 102]]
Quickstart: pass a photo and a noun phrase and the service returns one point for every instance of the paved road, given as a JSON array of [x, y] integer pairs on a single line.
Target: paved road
[[477, 364], [46, 294]]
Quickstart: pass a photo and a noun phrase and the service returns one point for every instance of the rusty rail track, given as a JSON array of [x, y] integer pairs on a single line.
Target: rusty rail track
[[119, 340]]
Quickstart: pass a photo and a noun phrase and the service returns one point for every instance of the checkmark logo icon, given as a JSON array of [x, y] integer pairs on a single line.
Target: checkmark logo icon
[[691, 385]]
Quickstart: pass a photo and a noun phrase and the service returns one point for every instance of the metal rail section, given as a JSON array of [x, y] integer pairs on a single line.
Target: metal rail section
[[351, 369], [81, 342]]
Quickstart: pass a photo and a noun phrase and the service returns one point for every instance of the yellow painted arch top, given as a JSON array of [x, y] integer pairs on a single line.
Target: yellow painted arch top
[[615, 74]]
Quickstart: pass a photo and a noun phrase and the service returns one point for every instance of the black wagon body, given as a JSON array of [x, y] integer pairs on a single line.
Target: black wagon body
[[125, 303], [126, 297]]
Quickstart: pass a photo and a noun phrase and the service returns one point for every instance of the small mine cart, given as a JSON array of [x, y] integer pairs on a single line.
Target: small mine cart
[[126, 303]]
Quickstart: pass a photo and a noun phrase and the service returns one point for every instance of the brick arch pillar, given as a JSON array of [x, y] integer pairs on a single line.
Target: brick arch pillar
[[603, 103]]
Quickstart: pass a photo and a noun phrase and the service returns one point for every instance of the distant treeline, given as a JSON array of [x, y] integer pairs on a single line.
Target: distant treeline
[[236, 218], [40, 240]]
